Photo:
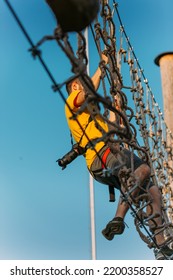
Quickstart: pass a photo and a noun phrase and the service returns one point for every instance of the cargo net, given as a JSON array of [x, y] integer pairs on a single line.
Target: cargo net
[[126, 93], [123, 79]]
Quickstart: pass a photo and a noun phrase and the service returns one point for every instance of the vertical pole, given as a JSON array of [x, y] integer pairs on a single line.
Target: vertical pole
[[165, 61], [91, 183]]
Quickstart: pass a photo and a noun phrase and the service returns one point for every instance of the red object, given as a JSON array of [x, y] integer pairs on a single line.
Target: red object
[[104, 157]]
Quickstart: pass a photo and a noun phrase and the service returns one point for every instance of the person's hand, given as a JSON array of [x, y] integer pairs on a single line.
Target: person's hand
[[105, 58], [118, 102]]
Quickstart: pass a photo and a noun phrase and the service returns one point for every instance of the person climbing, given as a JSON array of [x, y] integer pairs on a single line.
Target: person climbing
[[83, 129]]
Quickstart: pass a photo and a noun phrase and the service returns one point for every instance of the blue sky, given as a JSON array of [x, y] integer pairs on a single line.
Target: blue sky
[[44, 211]]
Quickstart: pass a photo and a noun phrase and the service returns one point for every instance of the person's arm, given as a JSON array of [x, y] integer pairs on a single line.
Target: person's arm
[[80, 98], [97, 75], [115, 117], [118, 105], [96, 82], [96, 78]]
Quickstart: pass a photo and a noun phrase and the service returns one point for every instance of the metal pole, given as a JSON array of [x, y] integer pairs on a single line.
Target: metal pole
[[91, 183]]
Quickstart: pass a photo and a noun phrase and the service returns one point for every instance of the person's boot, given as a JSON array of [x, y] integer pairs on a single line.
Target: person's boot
[[114, 227]]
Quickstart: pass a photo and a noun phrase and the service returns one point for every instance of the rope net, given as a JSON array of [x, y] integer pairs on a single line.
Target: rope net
[[144, 115]]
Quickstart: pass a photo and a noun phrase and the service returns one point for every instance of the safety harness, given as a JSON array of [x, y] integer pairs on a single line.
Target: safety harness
[[103, 160]]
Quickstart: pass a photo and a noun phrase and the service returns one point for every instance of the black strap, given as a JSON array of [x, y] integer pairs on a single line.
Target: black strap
[[111, 194]]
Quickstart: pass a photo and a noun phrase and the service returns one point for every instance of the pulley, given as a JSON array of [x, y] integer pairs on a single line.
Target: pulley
[[74, 15]]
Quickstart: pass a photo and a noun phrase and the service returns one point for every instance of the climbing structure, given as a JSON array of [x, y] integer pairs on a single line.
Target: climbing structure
[[145, 116], [141, 122]]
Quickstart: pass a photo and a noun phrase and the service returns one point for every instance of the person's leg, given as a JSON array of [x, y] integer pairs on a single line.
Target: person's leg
[[122, 209], [157, 211], [117, 225], [163, 251], [142, 173]]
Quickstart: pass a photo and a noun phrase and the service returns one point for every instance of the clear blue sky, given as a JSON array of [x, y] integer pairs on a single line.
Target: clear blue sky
[[44, 211]]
